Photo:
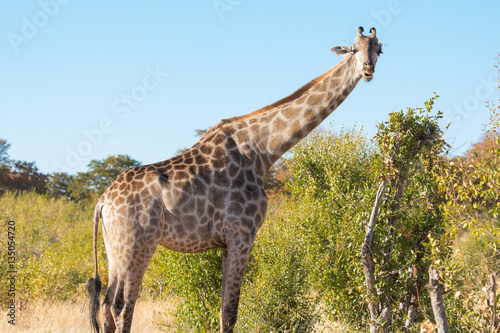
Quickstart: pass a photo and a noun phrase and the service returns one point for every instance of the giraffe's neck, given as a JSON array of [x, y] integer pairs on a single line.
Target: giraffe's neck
[[271, 131]]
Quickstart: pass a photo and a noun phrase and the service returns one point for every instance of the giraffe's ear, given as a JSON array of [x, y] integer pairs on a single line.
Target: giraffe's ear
[[342, 51]]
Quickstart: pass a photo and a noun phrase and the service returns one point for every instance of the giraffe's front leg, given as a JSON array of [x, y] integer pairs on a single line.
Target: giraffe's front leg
[[234, 262]]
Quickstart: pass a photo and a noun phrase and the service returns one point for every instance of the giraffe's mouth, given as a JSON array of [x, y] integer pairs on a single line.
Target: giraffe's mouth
[[367, 76]]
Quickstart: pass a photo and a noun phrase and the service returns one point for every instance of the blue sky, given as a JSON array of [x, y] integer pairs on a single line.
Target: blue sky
[[83, 80]]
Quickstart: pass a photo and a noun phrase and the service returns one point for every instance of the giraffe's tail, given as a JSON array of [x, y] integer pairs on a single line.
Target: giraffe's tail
[[94, 283]]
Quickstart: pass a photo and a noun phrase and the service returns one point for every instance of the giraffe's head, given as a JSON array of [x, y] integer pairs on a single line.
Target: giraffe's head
[[366, 49]]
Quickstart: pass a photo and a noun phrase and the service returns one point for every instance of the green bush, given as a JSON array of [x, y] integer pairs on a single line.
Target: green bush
[[53, 246], [332, 181], [196, 278], [276, 293]]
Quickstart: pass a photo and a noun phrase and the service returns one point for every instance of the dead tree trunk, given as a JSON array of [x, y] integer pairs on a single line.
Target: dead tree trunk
[[436, 292], [368, 264], [491, 291], [398, 184]]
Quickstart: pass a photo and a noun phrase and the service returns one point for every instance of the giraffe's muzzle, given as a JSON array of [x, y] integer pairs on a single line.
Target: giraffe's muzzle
[[368, 70], [367, 76]]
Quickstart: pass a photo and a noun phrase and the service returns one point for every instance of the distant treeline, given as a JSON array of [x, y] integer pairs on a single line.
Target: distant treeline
[[19, 176]]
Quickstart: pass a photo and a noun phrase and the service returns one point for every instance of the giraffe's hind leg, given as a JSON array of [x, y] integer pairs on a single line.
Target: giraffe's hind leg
[[122, 294], [127, 264], [109, 321]]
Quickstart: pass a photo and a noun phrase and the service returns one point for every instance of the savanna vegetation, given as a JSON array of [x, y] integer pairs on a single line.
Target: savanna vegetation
[[354, 227]]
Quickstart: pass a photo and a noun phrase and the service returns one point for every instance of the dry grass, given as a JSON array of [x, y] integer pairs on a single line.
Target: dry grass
[[69, 317], [149, 315], [325, 325]]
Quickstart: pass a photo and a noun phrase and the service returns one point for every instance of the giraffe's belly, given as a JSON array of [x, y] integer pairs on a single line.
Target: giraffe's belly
[[190, 234]]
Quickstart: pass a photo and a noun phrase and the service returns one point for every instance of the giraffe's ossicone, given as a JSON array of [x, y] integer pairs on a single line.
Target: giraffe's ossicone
[[212, 195]]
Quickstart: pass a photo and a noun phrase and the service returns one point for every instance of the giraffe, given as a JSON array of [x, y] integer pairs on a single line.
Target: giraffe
[[212, 195]]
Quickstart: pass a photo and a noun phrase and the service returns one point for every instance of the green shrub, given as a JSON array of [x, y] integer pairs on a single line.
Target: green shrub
[[53, 246], [276, 293], [332, 179], [197, 280]]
